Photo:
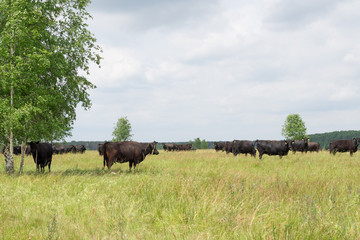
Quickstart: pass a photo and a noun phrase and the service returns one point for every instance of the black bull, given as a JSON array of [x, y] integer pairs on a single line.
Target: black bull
[[132, 152], [42, 154], [280, 148], [344, 146]]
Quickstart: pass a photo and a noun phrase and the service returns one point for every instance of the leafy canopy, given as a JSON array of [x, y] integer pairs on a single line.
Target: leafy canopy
[[294, 127], [199, 144], [122, 130], [44, 47]]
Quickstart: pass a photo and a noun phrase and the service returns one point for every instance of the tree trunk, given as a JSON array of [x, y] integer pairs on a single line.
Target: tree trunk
[[9, 149], [23, 148], [9, 158]]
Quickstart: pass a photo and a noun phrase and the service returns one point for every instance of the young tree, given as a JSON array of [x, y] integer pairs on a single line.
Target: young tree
[[197, 143], [122, 130], [204, 144], [44, 47], [294, 127]]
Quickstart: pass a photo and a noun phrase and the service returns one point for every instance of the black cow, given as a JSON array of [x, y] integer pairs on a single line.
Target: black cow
[[169, 146], [243, 146], [280, 148], [16, 150], [100, 149], [42, 154], [61, 149], [219, 146], [313, 147], [228, 147], [183, 147], [344, 146], [299, 145], [79, 149], [129, 151]]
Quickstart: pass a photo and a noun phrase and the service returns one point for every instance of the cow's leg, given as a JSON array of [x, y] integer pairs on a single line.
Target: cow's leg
[[351, 153], [49, 166], [130, 165], [37, 168], [109, 163], [260, 155]]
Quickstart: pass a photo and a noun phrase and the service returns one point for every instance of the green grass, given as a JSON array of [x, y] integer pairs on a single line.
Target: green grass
[[185, 195]]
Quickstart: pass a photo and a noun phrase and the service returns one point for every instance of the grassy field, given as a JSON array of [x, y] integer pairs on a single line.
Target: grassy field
[[185, 195]]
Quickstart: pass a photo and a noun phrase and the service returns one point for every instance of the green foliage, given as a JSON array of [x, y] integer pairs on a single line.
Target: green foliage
[[122, 130], [294, 127], [199, 144], [204, 144], [196, 144], [44, 48]]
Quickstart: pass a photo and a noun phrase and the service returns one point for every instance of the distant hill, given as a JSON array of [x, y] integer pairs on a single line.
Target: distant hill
[[325, 138]]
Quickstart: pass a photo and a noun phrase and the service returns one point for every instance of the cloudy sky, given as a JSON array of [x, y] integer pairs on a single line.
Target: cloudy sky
[[223, 69]]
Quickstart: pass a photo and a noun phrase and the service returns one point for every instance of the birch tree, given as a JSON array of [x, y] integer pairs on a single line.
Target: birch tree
[[45, 46]]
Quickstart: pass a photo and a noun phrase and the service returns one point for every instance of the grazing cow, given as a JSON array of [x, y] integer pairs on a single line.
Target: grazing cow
[[16, 150], [219, 146], [299, 145], [243, 146], [42, 154], [100, 149], [130, 151], [61, 149], [79, 149], [280, 148], [344, 146], [169, 146], [313, 147], [183, 147]]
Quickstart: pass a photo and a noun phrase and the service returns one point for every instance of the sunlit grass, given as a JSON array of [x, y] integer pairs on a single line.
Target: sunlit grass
[[200, 194]]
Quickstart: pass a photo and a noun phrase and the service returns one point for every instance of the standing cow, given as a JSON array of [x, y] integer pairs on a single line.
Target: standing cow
[[100, 149], [243, 146], [79, 149], [313, 147], [268, 147], [299, 145], [129, 151], [42, 154], [344, 146], [219, 146]]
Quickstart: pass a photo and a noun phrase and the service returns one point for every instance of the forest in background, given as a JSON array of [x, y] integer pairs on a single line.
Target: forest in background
[[322, 138]]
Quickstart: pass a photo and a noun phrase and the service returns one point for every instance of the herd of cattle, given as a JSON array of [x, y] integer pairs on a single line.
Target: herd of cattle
[[57, 149], [282, 148], [135, 152]]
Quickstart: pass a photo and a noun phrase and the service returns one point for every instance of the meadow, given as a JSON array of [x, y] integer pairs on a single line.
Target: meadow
[[200, 194]]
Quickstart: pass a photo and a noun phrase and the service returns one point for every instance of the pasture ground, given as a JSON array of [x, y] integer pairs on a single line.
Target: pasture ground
[[200, 194]]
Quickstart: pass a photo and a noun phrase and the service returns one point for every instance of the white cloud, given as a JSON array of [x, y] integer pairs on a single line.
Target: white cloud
[[117, 67], [224, 69]]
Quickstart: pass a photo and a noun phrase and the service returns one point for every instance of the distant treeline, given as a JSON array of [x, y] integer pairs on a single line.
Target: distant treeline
[[322, 138], [325, 138]]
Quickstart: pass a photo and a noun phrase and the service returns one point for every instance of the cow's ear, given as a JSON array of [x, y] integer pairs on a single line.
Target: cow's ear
[[37, 142]]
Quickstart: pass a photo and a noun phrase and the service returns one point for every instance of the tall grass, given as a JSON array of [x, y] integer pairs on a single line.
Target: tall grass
[[201, 194]]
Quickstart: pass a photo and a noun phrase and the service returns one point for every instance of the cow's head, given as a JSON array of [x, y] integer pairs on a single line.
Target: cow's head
[[33, 145], [154, 151], [356, 141]]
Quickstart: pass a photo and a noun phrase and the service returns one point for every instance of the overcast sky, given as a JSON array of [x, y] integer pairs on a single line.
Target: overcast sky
[[223, 70]]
